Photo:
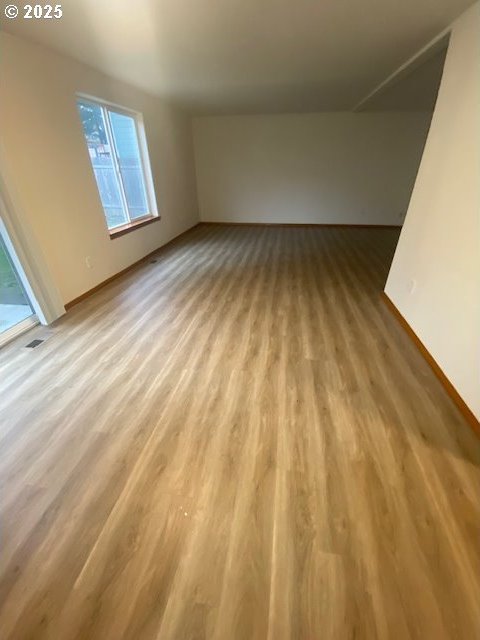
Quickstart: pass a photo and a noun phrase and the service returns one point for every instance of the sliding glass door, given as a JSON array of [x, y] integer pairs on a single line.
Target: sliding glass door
[[15, 308]]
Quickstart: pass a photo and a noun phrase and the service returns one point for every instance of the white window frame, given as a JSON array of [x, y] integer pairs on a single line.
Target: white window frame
[[144, 161]]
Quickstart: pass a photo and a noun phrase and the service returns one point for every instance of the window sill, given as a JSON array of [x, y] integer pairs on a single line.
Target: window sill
[[131, 226]]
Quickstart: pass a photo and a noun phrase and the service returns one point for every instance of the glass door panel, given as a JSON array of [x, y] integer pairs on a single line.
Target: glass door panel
[[14, 304]]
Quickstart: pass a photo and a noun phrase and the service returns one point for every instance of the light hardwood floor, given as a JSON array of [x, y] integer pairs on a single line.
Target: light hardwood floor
[[237, 441]]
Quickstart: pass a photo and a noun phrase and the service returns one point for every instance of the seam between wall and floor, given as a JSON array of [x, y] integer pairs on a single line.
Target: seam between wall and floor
[[434, 366], [331, 225], [131, 267]]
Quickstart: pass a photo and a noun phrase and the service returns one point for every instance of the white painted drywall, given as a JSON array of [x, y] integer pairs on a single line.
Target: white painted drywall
[[438, 254], [48, 166], [317, 168]]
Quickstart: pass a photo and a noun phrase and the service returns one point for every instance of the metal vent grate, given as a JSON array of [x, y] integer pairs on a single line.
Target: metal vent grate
[[33, 344]]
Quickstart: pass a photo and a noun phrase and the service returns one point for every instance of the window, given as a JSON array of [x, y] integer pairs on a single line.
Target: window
[[119, 161]]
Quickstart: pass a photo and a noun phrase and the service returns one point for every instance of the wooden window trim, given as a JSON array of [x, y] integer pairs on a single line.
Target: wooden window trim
[[132, 226]]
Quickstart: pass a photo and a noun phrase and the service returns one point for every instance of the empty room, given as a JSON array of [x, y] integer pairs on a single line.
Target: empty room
[[240, 320]]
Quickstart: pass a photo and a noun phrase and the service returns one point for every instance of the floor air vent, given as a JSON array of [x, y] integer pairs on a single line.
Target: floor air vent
[[33, 344]]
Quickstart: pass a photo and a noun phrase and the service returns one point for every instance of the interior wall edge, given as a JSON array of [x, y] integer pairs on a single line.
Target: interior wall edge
[[434, 278], [44, 294]]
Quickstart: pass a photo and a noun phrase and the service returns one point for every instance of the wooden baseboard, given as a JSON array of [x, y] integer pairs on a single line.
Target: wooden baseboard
[[449, 388], [136, 264], [300, 224]]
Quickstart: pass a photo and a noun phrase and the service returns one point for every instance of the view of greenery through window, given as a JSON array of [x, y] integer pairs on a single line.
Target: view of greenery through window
[[114, 152]]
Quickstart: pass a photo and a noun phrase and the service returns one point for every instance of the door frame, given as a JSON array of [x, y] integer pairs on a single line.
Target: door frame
[[26, 254]]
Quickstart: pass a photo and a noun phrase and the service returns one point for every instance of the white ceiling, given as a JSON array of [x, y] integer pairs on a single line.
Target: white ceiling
[[245, 56]]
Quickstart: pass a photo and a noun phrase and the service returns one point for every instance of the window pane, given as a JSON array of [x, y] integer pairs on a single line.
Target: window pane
[[102, 163], [128, 154]]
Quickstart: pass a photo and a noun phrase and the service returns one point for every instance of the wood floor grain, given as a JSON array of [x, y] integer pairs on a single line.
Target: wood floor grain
[[237, 441]]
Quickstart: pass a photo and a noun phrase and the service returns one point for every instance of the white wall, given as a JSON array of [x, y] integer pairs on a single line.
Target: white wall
[[439, 248], [50, 175], [318, 168]]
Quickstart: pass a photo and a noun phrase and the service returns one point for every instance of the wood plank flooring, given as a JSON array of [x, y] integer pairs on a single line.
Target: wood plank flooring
[[237, 441]]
